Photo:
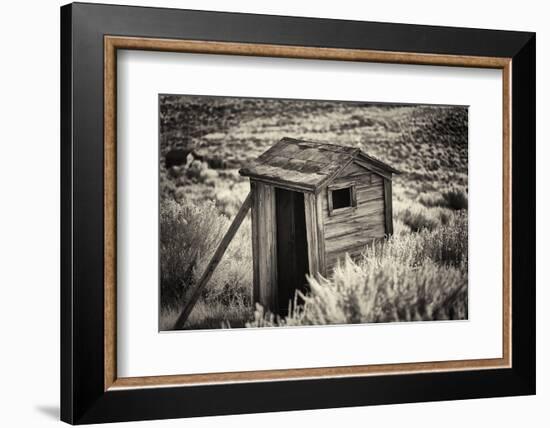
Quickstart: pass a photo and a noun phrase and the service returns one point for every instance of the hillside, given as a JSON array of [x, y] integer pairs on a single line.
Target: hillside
[[205, 140], [427, 143]]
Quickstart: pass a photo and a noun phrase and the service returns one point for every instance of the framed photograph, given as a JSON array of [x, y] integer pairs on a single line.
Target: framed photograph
[[266, 213]]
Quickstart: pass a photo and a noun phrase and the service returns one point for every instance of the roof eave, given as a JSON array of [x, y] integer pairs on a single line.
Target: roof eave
[[289, 185], [379, 163]]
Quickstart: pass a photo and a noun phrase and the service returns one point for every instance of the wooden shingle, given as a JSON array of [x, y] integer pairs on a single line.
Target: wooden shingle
[[306, 165]]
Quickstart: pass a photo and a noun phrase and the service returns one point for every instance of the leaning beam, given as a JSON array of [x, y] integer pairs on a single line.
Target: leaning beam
[[216, 258]]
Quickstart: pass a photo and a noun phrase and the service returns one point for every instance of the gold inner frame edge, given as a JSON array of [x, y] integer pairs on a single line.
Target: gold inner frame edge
[[113, 43]]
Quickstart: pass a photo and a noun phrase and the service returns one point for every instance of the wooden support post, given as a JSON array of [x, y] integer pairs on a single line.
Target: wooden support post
[[310, 204], [264, 245], [388, 211], [216, 258], [321, 232]]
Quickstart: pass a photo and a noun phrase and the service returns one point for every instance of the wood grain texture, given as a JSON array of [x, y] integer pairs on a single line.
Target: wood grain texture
[[321, 231], [388, 206], [507, 243], [368, 186], [375, 169], [310, 204], [351, 170], [299, 164], [354, 241], [112, 43], [356, 224], [351, 231], [303, 52], [255, 243], [271, 245], [110, 220], [308, 373], [264, 250]]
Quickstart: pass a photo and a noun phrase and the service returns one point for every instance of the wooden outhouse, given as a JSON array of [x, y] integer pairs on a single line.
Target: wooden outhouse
[[311, 204]]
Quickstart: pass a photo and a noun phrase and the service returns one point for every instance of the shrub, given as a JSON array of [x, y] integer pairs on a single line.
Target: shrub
[[428, 144], [189, 235], [446, 245], [400, 228], [410, 277], [418, 217], [209, 315], [456, 199], [432, 199], [186, 232], [378, 291]]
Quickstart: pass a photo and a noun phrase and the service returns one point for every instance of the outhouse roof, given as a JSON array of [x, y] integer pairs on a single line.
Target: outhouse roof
[[308, 165]]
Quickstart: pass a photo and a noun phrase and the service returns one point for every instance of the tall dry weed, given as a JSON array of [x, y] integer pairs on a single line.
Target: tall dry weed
[[189, 235], [410, 277]]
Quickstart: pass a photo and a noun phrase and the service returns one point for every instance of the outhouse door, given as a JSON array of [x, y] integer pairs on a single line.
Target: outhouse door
[[292, 254]]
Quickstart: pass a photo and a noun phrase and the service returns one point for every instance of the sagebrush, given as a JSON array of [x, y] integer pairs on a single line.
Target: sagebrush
[[419, 273], [189, 236], [414, 277]]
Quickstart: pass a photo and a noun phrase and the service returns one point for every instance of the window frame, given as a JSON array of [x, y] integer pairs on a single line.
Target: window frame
[[353, 198]]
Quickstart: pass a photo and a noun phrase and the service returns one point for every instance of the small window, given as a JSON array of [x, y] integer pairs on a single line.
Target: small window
[[341, 198]]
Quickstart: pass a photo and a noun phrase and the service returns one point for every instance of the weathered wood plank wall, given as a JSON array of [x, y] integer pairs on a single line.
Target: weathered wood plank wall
[[264, 245], [388, 207], [310, 204], [321, 234], [351, 231]]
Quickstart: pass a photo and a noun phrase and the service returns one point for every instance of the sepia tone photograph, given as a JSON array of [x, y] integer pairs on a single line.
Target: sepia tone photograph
[[283, 212]]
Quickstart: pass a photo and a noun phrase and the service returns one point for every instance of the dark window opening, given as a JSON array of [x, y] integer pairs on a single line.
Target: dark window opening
[[341, 198]]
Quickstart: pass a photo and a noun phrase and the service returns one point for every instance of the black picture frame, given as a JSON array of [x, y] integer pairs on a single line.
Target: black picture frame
[[83, 397]]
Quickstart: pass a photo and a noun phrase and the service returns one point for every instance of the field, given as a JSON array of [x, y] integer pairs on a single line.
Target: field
[[420, 273]]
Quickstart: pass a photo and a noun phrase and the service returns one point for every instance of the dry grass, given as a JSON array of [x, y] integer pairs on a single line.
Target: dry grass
[[411, 277], [208, 314], [428, 144], [423, 267], [189, 236]]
